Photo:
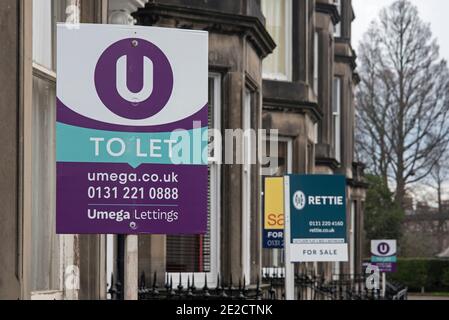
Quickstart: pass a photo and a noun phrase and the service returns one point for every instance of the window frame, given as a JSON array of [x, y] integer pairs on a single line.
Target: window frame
[[336, 116], [246, 185], [316, 65]]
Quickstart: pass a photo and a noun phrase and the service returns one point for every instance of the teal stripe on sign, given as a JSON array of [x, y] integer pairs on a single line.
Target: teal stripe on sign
[[76, 144], [377, 259]]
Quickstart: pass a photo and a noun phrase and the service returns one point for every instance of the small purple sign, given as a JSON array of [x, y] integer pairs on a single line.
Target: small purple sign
[[383, 255], [130, 137]]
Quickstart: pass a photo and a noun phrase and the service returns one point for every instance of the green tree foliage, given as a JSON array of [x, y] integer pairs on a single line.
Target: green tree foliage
[[429, 275], [383, 216]]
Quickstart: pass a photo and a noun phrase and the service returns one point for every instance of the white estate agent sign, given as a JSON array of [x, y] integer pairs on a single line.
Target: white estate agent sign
[[315, 219], [132, 125]]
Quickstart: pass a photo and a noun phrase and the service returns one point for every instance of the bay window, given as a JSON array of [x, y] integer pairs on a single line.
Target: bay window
[[278, 20]]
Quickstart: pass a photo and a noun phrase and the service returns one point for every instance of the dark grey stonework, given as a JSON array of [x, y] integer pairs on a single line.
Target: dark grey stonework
[[9, 155]]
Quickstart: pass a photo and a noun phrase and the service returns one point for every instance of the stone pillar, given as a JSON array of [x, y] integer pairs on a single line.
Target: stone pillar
[[9, 143], [131, 276]]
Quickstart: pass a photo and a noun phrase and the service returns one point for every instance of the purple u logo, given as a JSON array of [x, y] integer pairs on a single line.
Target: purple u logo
[[383, 248], [134, 79]]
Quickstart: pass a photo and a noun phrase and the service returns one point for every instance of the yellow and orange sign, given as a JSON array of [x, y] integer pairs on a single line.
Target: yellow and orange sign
[[273, 212]]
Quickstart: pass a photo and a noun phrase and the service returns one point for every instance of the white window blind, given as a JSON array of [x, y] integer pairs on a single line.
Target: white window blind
[[278, 16]]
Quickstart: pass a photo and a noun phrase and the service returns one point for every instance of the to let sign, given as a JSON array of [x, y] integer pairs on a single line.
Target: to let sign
[[383, 255], [316, 218], [132, 130]]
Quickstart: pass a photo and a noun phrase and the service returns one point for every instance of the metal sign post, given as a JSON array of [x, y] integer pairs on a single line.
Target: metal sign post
[[289, 266]]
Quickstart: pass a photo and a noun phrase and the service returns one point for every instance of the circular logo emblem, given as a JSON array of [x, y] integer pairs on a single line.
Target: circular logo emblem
[[383, 248], [299, 200], [134, 79]]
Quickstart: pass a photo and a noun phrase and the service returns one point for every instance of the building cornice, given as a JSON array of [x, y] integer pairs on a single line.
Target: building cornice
[[345, 53], [209, 20], [289, 96], [357, 184], [358, 180], [324, 156], [293, 106], [329, 9], [327, 162]]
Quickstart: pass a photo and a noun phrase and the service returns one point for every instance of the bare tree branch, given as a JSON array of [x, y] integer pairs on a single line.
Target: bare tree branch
[[402, 99]]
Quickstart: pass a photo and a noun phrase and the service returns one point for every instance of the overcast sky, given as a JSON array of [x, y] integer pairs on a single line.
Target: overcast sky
[[432, 11]]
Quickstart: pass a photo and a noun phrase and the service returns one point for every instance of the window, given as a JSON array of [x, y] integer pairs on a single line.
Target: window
[[337, 31], [336, 116], [284, 155], [278, 15], [46, 257], [46, 13], [316, 55], [201, 253]]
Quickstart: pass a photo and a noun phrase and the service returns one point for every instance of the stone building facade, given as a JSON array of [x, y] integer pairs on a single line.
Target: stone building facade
[[284, 64]]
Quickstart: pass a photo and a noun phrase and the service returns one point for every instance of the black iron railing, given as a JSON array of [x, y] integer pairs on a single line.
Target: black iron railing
[[308, 286]]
